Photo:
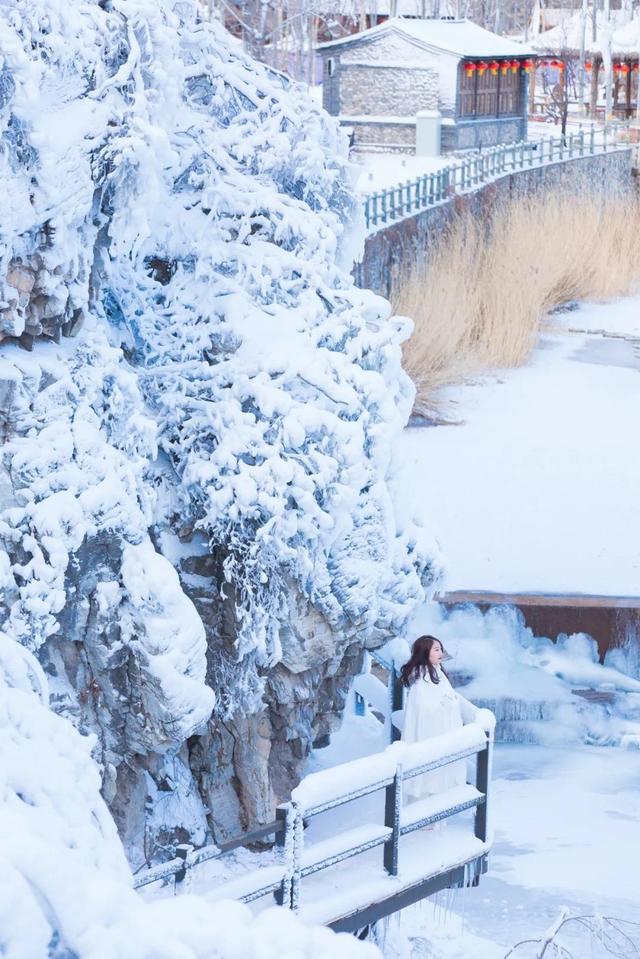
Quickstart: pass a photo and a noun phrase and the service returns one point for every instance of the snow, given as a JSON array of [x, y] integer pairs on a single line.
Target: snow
[[342, 845], [380, 170], [626, 39], [322, 789], [460, 37], [535, 486], [190, 215], [359, 882], [66, 886], [566, 36], [270, 384], [437, 804]]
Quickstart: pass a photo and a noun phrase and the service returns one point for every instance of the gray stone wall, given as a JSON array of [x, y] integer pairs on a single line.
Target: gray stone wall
[[386, 91], [474, 134], [383, 76], [390, 250], [384, 137]]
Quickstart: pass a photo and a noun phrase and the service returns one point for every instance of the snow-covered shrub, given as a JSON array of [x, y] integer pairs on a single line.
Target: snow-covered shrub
[[77, 464]]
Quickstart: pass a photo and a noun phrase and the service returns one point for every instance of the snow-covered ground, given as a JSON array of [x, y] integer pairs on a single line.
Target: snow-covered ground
[[384, 170], [566, 822], [536, 488]]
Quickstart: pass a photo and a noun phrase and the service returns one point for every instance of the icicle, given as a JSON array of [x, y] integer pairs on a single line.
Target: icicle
[[298, 840], [288, 856]]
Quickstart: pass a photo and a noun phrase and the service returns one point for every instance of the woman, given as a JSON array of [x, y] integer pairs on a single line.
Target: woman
[[432, 708]]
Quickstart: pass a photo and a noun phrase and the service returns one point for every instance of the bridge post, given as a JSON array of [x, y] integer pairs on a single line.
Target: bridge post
[[395, 701], [180, 882], [482, 785], [392, 807], [281, 819]]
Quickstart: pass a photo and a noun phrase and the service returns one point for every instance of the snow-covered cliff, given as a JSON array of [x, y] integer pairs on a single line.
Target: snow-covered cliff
[[196, 535], [66, 889]]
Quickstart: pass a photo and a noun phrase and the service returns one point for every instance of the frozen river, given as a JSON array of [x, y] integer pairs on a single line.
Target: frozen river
[[535, 488], [567, 828]]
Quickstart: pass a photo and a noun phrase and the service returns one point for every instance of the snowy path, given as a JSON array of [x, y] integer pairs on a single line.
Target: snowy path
[[536, 490], [567, 828]]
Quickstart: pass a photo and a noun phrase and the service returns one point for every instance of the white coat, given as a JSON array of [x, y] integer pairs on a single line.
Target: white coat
[[430, 710]]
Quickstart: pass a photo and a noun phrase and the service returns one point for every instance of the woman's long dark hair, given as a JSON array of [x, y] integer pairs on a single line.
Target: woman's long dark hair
[[418, 665]]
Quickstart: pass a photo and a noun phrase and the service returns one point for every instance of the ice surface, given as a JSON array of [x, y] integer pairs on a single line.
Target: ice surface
[[535, 487]]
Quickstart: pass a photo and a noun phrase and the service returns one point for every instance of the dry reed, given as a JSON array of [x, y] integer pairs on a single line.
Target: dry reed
[[480, 300]]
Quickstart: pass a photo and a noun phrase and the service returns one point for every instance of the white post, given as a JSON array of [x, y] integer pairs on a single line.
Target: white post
[[428, 133], [583, 36], [607, 62]]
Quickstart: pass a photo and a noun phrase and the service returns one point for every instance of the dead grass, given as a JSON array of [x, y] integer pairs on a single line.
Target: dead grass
[[481, 299]]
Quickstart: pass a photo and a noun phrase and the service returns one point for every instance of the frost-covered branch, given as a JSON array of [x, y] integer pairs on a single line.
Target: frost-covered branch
[[608, 931]]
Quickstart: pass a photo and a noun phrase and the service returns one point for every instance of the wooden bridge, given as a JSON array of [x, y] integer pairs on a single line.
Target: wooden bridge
[[347, 850]]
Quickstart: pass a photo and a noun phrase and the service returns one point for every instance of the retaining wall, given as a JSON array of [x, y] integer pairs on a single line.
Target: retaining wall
[[391, 249]]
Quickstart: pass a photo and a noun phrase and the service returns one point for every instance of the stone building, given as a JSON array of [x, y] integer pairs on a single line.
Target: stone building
[[377, 81]]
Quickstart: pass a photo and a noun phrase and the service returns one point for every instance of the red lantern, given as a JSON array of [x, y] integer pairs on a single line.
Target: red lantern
[[504, 67], [481, 66], [617, 68], [470, 69], [558, 64], [526, 65], [515, 65], [625, 68], [588, 66], [493, 67]]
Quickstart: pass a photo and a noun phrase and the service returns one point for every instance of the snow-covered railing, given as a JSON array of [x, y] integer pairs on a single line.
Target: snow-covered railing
[[177, 870], [472, 171], [386, 771], [339, 786]]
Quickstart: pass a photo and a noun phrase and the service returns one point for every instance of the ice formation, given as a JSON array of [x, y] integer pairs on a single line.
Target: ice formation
[[541, 690]]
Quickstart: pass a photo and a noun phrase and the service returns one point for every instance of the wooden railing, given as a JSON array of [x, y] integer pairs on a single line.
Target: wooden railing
[[475, 169], [297, 859], [386, 771]]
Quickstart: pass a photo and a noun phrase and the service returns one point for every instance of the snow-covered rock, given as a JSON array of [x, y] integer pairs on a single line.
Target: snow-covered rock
[[198, 535], [65, 887]]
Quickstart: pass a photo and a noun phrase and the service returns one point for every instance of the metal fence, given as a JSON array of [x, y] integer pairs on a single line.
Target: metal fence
[[475, 169]]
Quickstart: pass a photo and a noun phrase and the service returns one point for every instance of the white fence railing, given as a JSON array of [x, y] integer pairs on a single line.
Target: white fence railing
[[473, 170]]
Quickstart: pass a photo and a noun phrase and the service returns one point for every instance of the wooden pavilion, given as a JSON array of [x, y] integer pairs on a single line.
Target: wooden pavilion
[[559, 49]]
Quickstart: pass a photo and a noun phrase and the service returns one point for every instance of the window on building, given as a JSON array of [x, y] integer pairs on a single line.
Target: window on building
[[331, 64]]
